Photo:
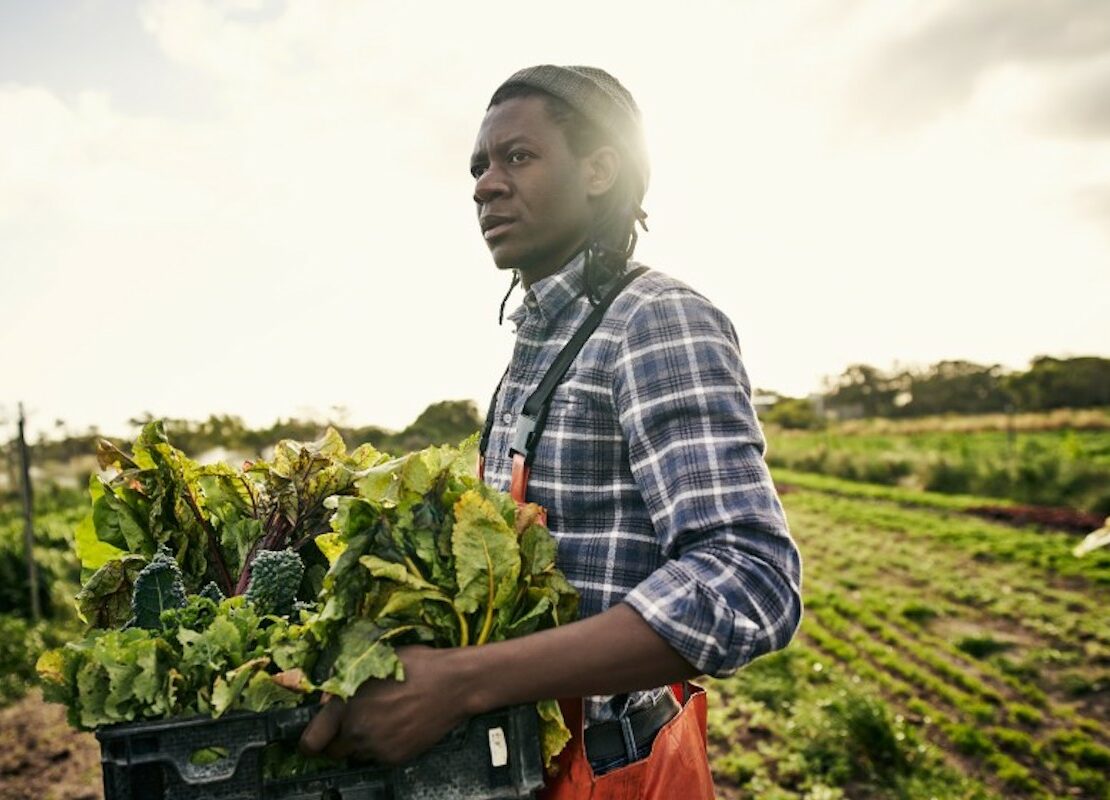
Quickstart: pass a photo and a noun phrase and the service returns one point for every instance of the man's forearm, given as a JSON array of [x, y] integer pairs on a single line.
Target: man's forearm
[[610, 653], [394, 721]]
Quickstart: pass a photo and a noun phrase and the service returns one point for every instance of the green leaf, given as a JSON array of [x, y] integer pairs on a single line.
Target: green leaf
[[262, 694], [554, 733], [380, 568], [275, 577], [365, 653], [158, 588], [226, 689], [382, 482], [537, 550], [108, 456], [539, 609], [117, 524], [291, 648], [105, 599], [91, 551], [487, 559], [566, 606], [237, 537], [331, 545]]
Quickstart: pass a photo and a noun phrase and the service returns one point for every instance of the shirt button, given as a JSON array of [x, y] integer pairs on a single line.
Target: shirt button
[[506, 417]]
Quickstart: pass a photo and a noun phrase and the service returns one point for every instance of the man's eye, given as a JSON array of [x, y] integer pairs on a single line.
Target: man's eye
[[477, 170], [517, 157]]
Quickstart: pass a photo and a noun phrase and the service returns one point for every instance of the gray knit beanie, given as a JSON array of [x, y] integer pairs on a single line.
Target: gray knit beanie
[[599, 97]]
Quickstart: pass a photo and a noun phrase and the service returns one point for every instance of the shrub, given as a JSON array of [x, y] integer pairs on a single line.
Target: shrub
[[919, 612], [981, 646]]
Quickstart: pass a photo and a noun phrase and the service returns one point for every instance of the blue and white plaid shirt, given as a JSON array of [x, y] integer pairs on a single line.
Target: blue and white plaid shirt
[[651, 469]]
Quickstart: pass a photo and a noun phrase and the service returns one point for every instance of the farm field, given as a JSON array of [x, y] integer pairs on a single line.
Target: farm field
[[1041, 466], [941, 656]]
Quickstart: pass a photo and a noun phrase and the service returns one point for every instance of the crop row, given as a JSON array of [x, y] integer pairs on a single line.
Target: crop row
[[989, 542], [973, 726]]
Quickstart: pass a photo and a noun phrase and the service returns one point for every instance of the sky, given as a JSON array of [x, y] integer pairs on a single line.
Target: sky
[[263, 208]]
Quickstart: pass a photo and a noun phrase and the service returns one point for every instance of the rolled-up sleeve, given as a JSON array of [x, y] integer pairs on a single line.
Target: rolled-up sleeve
[[730, 589]]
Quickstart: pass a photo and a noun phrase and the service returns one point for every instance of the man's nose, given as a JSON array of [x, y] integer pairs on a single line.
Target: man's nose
[[490, 185]]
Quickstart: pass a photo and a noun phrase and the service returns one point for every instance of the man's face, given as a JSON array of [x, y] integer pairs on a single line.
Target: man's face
[[530, 191]]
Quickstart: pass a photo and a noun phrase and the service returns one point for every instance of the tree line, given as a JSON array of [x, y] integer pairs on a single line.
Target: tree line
[[950, 387]]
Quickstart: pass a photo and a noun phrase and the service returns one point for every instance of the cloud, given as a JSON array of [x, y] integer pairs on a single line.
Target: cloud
[[1078, 104], [1094, 201], [309, 238], [920, 73]]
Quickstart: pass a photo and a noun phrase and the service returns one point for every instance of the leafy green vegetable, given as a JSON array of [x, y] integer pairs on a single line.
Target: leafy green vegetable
[[158, 588], [209, 589], [105, 599], [428, 554], [212, 592], [204, 659], [487, 560], [275, 576]]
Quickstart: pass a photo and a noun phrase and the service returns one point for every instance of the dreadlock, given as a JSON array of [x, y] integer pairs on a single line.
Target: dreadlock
[[505, 299], [612, 238]]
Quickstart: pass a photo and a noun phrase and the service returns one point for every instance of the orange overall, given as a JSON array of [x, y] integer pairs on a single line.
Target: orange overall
[[678, 765]]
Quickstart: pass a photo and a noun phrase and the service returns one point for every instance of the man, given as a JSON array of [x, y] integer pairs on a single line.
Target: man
[[651, 466]]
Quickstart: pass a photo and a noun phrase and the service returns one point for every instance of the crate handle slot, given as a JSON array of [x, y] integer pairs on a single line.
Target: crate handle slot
[[199, 774]]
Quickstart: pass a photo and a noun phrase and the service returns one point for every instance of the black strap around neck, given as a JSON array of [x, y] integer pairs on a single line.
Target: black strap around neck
[[533, 418]]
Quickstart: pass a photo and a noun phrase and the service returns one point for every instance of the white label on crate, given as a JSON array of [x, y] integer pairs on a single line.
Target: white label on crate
[[498, 747]]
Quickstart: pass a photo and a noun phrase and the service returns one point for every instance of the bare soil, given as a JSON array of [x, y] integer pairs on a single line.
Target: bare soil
[[42, 758], [1055, 517]]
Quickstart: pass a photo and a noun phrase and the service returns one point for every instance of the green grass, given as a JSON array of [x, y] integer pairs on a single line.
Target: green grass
[[1056, 468], [940, 655]]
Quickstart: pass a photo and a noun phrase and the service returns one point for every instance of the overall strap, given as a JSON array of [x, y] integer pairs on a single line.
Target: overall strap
[[533, 418]]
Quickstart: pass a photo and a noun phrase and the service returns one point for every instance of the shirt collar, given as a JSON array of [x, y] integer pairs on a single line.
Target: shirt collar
[[549, 296]]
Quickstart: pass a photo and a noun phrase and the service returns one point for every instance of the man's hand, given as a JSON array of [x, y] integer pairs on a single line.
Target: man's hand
[[389, 721]]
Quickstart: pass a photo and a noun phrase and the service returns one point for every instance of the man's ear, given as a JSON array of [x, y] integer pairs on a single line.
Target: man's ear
[[602, 168]]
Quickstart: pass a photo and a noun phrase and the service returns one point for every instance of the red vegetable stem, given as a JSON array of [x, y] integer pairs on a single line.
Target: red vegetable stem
[[214, 554]]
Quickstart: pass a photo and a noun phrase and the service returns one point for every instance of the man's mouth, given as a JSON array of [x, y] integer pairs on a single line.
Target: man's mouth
[[493, 226]]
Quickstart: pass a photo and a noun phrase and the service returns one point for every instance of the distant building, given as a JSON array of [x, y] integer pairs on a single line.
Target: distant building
[[848, 411], [764, 401]]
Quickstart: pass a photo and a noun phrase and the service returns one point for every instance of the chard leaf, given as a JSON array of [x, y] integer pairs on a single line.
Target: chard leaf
[[566, 605], [91, 551], [538, 610], [237, 538], [382, 482], [365, 653], [117, 524], [331, 545], [487, 560], [554, 733], [105, 599], [380, 568], [537, 550], [109, 456]]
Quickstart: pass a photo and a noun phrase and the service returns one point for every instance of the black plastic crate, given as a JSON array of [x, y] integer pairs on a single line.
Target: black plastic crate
[[493, 756]]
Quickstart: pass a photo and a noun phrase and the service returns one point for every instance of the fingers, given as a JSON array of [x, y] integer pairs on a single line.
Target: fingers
[[323, 728]]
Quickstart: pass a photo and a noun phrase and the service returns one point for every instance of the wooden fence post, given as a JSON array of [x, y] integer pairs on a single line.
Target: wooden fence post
[[28, 522]]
